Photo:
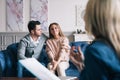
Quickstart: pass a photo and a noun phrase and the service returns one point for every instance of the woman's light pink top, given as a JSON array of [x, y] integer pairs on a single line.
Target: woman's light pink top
[[58, 48]]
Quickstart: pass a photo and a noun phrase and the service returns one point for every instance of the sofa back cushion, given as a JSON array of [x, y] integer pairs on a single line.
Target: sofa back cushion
[[11, 60], [82, 44]]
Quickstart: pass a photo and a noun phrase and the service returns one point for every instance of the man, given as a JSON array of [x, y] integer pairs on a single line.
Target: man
[[31, 44]]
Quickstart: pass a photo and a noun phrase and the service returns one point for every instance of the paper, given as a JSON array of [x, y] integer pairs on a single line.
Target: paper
[[41, 72], [38, 70]]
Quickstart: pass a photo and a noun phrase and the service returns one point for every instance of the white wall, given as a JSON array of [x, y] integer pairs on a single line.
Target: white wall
[[2, 16], [64, 12], [60, 11], [26, 14]]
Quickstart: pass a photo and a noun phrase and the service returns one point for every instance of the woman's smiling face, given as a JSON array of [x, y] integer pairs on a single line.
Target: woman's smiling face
[[54, 30]]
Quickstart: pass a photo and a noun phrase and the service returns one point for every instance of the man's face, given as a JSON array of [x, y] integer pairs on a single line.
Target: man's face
[[37, 31]]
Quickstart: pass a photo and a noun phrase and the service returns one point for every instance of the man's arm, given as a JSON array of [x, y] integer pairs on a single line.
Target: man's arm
[[21, 50]]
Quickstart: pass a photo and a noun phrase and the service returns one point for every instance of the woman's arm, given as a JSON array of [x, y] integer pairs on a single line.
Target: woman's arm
[[77, 58], [65, 49], [49, 51]]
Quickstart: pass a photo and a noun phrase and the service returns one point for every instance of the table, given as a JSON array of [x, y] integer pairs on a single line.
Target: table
[[16, 78], [28, 78], [68, 78]]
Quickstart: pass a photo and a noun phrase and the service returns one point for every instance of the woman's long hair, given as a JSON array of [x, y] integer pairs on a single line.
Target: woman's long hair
[[102, 19], [60, 31]]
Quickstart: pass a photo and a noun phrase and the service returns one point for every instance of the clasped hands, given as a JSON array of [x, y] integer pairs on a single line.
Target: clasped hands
[[54, 65]]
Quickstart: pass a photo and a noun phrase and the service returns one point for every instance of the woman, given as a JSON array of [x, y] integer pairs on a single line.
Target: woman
[[58, 50], [102, 56]]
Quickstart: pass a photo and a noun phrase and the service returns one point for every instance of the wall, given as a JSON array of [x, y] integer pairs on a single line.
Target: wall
[[63, 12], [2, 16]]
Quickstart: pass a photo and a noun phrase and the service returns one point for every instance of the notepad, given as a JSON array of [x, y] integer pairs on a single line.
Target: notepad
[[40, 71]]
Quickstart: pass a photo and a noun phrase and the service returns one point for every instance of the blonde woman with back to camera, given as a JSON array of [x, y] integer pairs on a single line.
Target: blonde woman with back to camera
[[102, 56]]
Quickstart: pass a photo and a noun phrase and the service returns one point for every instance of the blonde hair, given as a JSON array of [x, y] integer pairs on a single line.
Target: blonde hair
[[102, 18], [60, 31]]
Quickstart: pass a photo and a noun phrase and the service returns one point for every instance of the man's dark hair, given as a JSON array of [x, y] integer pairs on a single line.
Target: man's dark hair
[[32, 25]]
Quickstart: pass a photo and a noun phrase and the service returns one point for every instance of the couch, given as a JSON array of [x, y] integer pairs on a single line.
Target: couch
[[8, 60]]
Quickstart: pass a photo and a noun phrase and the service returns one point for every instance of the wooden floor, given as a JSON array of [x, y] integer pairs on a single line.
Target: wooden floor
[[15, 78]]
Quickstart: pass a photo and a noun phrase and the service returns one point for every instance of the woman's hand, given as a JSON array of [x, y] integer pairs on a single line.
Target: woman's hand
[[54, 63], [77, 55]]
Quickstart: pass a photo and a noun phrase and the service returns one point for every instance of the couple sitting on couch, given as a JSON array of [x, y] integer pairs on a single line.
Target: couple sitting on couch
[[102, 56], [57, 48]]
